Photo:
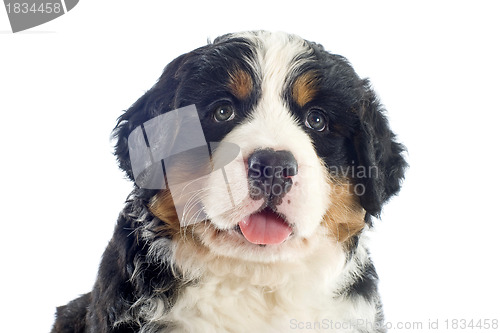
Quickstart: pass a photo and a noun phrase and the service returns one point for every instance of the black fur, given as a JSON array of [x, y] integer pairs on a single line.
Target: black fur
[[376, 146], [127, 277], [71, 317]]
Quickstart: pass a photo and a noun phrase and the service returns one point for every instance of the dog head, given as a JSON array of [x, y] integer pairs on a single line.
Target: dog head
[[301, 145]]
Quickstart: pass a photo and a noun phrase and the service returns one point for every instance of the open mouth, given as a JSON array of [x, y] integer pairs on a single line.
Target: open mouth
[[265, 227]]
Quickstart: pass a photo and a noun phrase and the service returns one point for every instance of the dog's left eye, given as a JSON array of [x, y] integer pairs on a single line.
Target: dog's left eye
[[316, 120], [224, 112]]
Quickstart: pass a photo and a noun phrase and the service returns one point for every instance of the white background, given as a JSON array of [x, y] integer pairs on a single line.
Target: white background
[[435, 66]]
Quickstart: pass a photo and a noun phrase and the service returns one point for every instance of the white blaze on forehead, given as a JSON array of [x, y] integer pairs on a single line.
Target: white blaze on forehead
[[278, 56], [277, 60]]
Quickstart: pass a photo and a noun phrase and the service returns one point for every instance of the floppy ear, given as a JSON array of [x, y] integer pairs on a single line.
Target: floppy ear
[[379, 155], [157, 100]]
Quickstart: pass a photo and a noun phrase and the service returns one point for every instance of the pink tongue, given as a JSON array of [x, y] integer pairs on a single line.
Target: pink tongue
[[265, 228]]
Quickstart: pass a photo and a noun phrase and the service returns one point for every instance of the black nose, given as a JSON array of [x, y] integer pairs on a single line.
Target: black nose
[[269, 175]]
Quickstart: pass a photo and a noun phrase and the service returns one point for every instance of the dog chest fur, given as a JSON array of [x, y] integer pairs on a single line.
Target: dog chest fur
[[230, 296]]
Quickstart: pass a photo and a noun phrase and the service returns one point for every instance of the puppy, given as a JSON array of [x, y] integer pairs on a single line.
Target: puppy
[[259, 161]]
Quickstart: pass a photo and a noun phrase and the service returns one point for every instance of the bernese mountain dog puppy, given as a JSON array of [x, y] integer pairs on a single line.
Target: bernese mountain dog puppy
[[259, 162]]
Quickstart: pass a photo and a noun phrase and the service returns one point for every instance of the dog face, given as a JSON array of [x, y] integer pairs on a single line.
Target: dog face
[[315, 155]]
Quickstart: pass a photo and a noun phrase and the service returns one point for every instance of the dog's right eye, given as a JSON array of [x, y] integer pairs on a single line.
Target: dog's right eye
[[223, 112], [316, 120]]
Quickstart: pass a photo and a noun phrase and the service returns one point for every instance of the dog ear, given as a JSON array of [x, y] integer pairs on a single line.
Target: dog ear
[[380, 157], [157, 100]]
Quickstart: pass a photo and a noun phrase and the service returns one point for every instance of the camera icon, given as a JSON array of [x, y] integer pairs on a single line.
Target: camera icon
[[170, 152]]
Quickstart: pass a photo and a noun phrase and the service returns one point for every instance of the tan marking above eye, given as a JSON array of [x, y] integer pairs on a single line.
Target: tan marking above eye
[[240, 84], [305, 88]]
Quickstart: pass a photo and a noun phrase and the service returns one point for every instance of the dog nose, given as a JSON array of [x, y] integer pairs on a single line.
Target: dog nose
[[269, 174]]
